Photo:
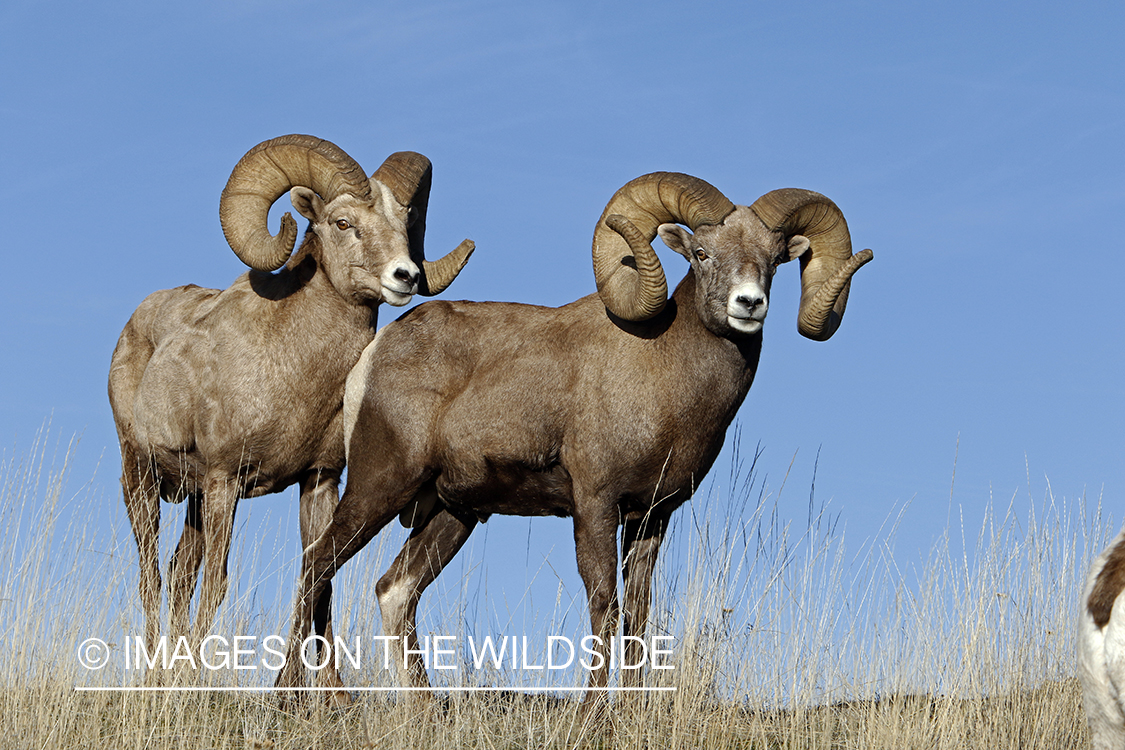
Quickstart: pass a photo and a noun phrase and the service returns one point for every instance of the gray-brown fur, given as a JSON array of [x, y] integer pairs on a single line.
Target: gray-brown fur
[[225, 394], [496, 407], [1108, 585]]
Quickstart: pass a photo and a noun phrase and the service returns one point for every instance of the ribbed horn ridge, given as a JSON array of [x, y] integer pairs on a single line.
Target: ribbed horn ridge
[[409, 175], [628, 273], [827, 268], [264, 174]]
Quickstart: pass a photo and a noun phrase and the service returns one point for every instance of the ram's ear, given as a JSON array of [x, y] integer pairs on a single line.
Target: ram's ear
[[677, 238], [798, 246], [307, 202]]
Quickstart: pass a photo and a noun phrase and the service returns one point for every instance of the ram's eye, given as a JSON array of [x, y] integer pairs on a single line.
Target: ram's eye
[[342, 224], [701, 253]]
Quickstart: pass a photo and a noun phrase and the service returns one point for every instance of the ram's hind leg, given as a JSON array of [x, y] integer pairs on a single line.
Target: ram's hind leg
[[183, 568], [220, 499], [142, 504], [426, 552]]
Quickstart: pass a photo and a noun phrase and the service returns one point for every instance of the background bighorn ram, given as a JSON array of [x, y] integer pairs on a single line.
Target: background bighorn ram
[[610, 409], [1101, 647], [220, 395]]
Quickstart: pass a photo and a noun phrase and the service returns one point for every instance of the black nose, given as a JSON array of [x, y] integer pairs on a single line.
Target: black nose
[[750, 302], [406, 275]]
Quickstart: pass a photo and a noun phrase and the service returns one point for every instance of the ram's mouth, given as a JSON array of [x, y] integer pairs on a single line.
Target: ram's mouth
[[398, 291], [748, 325], [399, 296], [373, 291], [746, 318]]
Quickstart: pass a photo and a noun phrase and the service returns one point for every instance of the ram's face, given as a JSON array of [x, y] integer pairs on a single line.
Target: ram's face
[[734, 263], [366, 253]]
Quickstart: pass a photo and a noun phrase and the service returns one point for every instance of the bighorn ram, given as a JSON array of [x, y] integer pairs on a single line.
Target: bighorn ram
[[1101, 648], [220, 395], [610, 409]]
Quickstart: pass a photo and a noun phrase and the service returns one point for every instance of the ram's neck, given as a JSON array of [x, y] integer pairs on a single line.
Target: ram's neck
[[301, 287], [736, 357]]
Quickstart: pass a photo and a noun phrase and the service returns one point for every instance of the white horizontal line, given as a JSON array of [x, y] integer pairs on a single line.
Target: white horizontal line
[[489, 689]]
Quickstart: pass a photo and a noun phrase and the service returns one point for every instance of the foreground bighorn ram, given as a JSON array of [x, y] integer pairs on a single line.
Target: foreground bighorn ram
[[1101, 647], [610, 409], [220, 395]]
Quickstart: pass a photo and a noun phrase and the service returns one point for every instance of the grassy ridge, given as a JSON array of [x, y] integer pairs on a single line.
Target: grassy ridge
[[784, 638]]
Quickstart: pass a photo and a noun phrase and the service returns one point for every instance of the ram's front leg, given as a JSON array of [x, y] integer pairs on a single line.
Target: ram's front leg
[[354, 523], [318, 565], [640, 543], [319, 497], [595, 540]]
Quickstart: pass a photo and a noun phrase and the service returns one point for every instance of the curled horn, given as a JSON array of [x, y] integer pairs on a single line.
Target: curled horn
[[408, 176], [827, 268], [630, 279], [267, 172]]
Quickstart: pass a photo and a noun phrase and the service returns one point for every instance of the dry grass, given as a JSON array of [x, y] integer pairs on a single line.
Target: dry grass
[[783, 639]]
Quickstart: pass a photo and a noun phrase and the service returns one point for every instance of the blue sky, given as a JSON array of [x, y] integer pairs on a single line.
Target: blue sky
[[975, 147]]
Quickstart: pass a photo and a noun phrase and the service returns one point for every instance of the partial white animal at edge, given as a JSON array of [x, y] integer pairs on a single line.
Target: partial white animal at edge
[[1101, 647]]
